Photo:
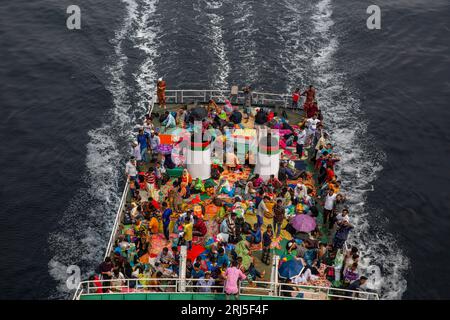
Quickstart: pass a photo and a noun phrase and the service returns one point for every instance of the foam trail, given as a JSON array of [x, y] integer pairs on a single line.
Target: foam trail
[[145, 39], [244, 32], [359, 165], [218, 45], [296, 47], [87, 222]]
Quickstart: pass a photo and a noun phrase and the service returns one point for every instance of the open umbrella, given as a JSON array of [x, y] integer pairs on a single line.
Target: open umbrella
[[303, 223], [199, 113], [290, 269]]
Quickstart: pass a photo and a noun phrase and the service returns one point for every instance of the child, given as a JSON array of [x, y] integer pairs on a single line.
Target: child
[[267, 241]]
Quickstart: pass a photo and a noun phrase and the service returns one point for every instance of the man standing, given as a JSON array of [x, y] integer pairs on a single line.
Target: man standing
[[136, 151], [342, 233], [312, 124], [310, 95], [143, 139], [262, 210], [167, 212], [187, 232], [301, 139], [161, 92], [295, 98], [329, 206], [278, 217], [131, 171], [155, 141]]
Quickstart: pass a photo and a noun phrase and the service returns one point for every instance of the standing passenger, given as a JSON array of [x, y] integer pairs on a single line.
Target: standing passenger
[[161, 92]]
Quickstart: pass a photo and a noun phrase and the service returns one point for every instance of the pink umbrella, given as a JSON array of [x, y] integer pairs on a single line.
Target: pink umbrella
[[304, 223]]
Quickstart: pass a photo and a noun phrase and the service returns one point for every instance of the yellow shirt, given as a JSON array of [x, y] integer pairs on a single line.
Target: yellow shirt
[[188, 231]]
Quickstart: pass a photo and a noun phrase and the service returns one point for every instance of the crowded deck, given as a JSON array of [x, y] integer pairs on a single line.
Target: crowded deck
[[252, 208]]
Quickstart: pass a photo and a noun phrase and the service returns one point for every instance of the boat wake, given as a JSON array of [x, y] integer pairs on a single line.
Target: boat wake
[[308, 42], [242, 23], [360, 163], [218, 47], [86, 224]]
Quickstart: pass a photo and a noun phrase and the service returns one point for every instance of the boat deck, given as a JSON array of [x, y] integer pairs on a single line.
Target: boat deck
[[317, 289]]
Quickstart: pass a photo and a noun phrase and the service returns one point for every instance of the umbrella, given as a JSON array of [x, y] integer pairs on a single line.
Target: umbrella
[[199, 113], [195, 252], [290, 269], [303, 223]]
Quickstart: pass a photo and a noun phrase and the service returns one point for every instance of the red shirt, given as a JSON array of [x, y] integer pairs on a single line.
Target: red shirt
[[201, 227], [155, 204], [295, 96], [330, 175]]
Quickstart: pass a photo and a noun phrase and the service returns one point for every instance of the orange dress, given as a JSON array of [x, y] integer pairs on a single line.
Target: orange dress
[[161, 92]]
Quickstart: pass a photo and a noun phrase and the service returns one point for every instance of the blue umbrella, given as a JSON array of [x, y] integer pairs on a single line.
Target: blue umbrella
[[290, 269]]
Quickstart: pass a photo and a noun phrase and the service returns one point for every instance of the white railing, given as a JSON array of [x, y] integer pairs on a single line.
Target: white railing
[[204, 95], [118, 219], [255, 288]]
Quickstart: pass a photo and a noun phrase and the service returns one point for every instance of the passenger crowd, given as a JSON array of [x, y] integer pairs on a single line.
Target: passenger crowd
[[233, 222]]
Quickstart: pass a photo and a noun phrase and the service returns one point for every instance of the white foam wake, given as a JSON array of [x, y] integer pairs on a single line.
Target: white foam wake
[[145, 39], [359, 165], [244, 44], [216, 33], [87, 222]]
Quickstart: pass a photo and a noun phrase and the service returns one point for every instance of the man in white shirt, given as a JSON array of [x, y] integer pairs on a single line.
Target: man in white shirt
[[165, 257], [343, 216], [169, 122], [148, 125], [261, 210], [301, 140], [136, 150], [155, 141], [131, 171], [312, 123], [328, 207]]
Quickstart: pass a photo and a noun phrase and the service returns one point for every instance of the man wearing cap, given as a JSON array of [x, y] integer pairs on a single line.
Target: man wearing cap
[[136, 151]]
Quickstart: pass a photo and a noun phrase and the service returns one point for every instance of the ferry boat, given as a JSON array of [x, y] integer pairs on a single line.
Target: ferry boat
[[273, 285]]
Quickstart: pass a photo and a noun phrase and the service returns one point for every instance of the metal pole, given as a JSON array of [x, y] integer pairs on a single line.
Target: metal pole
[[274, 275], [182, 269]]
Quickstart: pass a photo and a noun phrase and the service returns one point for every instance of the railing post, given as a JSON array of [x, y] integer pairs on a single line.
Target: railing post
[[182, 269], [274, 276]]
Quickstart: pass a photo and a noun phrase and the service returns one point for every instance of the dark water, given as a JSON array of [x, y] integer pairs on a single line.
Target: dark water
[[69, 101]]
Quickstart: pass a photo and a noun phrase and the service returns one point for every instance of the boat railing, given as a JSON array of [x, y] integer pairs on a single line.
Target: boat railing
[[219, 96], [191, 286], [118, 219]]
